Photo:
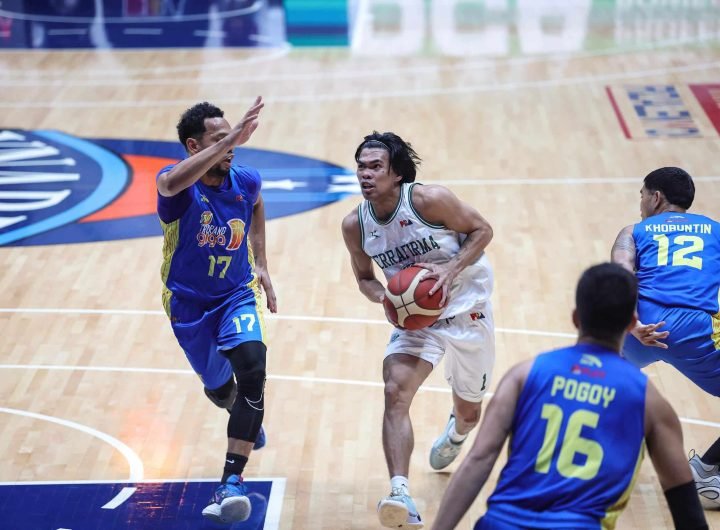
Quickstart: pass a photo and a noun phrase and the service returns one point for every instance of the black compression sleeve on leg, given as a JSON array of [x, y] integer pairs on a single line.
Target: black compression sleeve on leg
[[712, 455], [248, 363], [684, 504]]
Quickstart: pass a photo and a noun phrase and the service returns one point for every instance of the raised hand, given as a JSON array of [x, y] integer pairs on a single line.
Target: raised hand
[[249, 122], [648, 334]]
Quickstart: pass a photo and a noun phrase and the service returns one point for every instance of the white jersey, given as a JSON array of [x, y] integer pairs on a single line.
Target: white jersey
[[406, 238]]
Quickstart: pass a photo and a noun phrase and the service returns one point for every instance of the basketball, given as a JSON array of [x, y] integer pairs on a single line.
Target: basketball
[[407, 302]]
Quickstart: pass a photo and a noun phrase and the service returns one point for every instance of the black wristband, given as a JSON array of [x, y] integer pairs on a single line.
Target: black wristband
[[684, 504]]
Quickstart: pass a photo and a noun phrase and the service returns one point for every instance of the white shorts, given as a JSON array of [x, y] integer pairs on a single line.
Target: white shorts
[[466, 340]]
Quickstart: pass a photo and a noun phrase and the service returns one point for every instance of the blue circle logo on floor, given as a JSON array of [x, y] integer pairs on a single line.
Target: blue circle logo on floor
[[57, 188]]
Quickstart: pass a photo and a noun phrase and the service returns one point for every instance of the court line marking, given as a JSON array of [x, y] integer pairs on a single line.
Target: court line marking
[[133, 460], [295, 378], [344, 96], [301, 318], [185, 371], [521, 181], [104, 80], [120, 498], [274, 506], [127, 481], [118, 69], [554, 181], [480, 63], [272, 512]]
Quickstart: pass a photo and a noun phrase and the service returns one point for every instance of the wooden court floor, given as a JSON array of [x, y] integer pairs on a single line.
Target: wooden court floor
[[534, 144]]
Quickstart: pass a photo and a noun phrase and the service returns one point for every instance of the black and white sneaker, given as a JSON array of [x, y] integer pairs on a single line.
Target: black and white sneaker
[[707, 481]]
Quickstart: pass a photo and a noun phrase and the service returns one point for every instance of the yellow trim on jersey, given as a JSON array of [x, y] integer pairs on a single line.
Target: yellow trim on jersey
[[716, 326], [171, 232], [613, 512], [254, 284]]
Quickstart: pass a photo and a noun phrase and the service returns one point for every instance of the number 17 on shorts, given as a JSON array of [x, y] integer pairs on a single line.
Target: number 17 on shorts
[[243, 323]]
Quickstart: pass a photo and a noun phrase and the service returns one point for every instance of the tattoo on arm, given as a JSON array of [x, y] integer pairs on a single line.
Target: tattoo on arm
[[624, 250], [624, 242]]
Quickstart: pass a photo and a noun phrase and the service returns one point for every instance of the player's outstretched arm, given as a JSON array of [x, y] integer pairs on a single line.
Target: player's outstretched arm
[[361, 264], [438, 205], [185, 173], [665, 446], [472, 474], [256, 238]]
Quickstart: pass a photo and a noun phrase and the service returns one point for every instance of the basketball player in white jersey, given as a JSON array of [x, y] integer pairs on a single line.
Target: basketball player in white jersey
[[399, 224]]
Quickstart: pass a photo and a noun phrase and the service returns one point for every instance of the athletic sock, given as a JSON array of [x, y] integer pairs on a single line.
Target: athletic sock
[[400, 482], [456, 437], [234, 465]]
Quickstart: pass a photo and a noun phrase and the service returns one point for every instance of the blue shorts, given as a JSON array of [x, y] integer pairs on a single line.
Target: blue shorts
[[488, 522], [492, 521], [204, 335], [692, 349]]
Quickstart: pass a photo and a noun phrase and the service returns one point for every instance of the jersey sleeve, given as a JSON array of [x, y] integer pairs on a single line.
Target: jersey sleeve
[[172, 208], [251, 181]]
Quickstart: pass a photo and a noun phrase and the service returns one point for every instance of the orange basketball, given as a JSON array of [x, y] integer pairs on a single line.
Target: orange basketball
[[407, 302]]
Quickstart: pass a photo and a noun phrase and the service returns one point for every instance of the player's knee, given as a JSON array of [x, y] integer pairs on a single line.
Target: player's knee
[[470, 417], [251, 390], [397, 397], [468, 412], [223, 397], [248, 362]]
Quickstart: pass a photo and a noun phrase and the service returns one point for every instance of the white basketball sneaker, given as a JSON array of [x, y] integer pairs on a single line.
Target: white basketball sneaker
[[444, 450], [398, 510], [707, 481]]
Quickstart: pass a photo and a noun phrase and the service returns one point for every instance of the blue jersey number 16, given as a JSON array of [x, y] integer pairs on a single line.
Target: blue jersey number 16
[[572, 443]]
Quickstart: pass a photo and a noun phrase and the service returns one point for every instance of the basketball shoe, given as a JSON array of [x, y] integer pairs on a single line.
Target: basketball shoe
[[260, 440], [229, 503], [707, 481], [397, 510], [444, 450]]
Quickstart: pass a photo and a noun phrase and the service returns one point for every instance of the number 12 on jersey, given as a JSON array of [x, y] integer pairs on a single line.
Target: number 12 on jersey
[[573, 443], [688, 245]]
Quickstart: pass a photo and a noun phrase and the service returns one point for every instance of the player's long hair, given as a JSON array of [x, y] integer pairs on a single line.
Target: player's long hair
[[404, 161], [675, 183]]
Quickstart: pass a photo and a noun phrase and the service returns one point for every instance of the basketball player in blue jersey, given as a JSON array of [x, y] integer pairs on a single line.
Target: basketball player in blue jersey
[[676, 258], [213, 217], [577, 418], [403, 223]]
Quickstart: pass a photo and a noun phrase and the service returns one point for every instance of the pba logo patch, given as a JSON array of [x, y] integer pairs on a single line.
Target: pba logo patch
[[57, 188]]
